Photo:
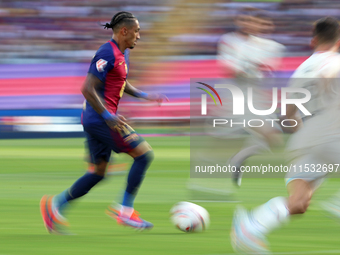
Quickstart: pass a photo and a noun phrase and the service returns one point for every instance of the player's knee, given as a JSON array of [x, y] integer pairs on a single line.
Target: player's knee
[[151, 156], [147, 157], [140, 150], [147, 149], [299, 207], [300, 196]]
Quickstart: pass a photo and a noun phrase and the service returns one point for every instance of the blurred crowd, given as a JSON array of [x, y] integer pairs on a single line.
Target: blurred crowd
[[43, 31], [63, 31]]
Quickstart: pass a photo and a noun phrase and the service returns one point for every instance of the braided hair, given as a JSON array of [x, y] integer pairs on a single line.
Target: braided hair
[[120, 18]]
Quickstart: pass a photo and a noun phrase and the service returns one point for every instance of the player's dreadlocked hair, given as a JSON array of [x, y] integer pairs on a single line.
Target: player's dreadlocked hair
[[120, 18], [327, 30]]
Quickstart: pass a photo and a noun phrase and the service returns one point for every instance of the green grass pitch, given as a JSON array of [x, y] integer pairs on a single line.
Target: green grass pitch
[[31, 168]]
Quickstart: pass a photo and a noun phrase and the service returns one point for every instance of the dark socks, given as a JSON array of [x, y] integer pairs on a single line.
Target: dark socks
[[136, 176], [78, 189]]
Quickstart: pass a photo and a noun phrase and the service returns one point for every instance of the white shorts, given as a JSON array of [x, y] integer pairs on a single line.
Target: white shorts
[[315, 163]]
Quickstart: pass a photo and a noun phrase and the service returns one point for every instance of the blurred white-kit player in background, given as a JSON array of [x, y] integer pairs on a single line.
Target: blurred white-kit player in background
[[249, 55]]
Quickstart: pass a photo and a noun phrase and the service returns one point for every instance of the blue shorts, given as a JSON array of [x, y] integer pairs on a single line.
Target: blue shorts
[[101, 140]]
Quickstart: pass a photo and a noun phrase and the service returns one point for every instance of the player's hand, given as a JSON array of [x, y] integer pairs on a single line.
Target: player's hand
[[159, 98], [114, 121], [117, 121], [122, 118]]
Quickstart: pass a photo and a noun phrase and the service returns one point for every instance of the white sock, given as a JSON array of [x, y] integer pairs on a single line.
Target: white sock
[[126, 211], [269, 216]]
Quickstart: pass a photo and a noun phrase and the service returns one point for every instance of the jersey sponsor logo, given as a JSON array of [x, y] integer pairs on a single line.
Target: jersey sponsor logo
[[101, 64]]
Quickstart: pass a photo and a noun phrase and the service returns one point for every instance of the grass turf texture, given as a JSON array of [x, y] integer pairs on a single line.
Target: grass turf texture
[[32, 168]]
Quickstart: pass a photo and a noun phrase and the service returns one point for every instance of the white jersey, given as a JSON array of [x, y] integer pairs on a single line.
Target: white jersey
[[320, 75], [248, 55]]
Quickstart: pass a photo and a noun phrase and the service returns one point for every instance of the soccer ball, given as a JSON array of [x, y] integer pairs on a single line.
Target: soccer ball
[[189, 217]]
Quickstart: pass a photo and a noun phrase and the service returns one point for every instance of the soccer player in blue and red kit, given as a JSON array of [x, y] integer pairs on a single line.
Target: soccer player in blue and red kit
[[106, 130]]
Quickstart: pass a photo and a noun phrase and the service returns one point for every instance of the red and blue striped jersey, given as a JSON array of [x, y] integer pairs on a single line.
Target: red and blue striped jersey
[[111, 66]]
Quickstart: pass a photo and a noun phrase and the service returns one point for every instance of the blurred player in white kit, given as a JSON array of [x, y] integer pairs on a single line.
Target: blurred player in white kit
[[250, 57], [316, 143]]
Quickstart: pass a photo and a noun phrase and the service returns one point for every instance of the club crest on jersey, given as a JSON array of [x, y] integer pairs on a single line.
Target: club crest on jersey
[[101, 64]]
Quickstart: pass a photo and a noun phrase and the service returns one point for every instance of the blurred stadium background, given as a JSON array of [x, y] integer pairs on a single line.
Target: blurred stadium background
[[46, 48]]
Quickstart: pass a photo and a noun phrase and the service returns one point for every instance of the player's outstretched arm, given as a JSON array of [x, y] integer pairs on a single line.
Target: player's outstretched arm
[[131, 90], [89, 90]]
